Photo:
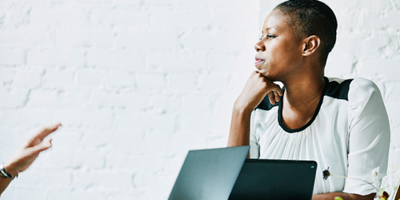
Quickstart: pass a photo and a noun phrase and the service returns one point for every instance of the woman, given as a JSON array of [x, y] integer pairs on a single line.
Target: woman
[[341, 124]]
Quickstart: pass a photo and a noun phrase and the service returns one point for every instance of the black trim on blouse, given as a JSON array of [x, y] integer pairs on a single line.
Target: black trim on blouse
[[332, 89]]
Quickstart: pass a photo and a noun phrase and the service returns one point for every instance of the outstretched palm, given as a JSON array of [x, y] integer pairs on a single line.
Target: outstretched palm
[[30, 151]]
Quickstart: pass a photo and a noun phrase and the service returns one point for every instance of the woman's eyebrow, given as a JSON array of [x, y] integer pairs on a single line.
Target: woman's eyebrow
[[271, 28], [262, 32]]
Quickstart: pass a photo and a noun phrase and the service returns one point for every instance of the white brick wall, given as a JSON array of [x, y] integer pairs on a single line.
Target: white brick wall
[[138, 83]]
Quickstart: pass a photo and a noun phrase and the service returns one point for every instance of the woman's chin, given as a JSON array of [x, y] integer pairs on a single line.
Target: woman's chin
[[267, 75], [263, 72]]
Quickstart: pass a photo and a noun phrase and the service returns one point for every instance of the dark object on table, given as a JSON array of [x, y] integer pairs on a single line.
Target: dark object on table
[[275, 179]]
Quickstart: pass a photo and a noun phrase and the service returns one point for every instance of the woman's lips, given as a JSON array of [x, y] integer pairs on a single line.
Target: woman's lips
[[258, 60]]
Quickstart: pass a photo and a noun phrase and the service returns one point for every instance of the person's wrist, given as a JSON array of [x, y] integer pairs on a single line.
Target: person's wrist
[[11, 169], [4, 173], [242, 108]]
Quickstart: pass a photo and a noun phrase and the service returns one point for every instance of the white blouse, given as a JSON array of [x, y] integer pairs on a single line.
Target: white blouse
[[349, 133]]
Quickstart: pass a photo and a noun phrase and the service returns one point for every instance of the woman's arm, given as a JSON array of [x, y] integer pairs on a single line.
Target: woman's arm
[[240, 127], [27, 154], [256, 88], [344, 196], [369, 137], [4, 182]]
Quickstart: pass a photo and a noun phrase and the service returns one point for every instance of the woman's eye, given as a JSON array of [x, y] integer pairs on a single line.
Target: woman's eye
[[267, 36]]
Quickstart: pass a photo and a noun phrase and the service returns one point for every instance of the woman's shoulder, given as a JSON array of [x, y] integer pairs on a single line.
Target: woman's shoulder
[[357, 81], [343, 88]]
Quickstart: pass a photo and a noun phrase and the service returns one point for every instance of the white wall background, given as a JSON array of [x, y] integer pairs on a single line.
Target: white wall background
[[138, 83]]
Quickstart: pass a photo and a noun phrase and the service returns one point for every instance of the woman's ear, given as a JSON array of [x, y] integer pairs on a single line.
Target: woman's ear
[[310, 45]]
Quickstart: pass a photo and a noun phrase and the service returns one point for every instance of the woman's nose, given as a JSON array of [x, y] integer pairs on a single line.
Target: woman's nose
[[259, 46]]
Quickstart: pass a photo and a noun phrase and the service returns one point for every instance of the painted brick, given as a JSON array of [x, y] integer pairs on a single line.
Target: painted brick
[[66, 99], [119, 79], [195, 122], [338, 65], [95, 138], [27, 192], [229, 42], [28, 78], [180, 20], [59, 194], [61, 16], [119, 60], [89, 78], [148, 40], [196, 103], [103, 179], [177, 61], [213, 82], [150, 80], [27, 36], [372, 5], [29, 118], [91, 159], [34, 177], [218, 61], [227, 19], [12, 98], [123, 100], [56, 158], [85, 38], [98, 2], [6, 76], [175, 80], [120, 17], [88, 118], [128, 195], [127, 2], [59, 79], [16, 16], [81, 194], [56, 57], [384, 68], [166, 103], [145, 122], [11, 57], [159, 2]]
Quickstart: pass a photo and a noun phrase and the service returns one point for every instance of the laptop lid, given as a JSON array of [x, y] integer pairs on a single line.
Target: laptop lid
[[209, 174], [275, 179]]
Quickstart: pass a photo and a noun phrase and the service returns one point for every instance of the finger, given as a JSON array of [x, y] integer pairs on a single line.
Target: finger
[[276, 96], [46, 131], [42, 146], [280, 92], [276, 88], [271, 98]]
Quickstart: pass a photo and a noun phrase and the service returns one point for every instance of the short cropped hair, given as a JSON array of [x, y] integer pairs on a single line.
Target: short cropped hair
[[312, 17]]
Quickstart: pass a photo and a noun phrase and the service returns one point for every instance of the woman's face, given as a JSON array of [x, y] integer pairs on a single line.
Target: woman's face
[[279, 50]]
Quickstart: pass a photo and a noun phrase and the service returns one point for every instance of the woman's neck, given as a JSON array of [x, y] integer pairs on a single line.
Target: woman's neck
[[300, 100]]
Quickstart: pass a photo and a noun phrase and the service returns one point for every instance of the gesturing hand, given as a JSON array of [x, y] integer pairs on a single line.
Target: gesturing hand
[[256, 88], [24, 157]]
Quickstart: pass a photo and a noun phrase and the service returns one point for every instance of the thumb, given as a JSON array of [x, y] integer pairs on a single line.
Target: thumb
[[44, 145]]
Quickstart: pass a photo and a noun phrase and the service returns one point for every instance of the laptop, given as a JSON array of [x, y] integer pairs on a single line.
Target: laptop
[[209, 174], [275, 179]]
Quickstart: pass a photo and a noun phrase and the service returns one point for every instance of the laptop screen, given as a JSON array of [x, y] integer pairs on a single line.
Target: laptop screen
[[209, 174]]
